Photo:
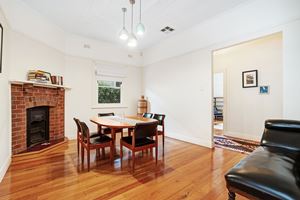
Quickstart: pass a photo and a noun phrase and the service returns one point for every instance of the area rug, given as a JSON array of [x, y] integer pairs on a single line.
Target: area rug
[[234, 144]]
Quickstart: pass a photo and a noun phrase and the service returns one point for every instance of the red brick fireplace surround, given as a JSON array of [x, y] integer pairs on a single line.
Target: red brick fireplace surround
[[26, 96]]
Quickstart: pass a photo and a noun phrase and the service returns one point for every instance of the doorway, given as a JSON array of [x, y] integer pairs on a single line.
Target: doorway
[[240, 110], [218, 102]]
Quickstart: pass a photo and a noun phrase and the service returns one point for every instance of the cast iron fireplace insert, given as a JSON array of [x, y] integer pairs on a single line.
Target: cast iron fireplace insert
[[37, 125]]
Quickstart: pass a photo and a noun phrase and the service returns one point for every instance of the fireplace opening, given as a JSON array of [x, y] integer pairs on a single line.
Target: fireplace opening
[[37, 125]]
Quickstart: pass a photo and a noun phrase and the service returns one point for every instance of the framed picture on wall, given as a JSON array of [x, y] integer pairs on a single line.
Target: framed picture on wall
[[250, 79], [265, 89], [1, 46]]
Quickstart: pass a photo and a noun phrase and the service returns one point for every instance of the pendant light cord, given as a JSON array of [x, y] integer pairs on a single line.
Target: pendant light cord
[[140, 11], [123, 19], [131, 18]]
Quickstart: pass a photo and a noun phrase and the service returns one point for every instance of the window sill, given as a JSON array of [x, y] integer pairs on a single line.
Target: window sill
[[105, 106]]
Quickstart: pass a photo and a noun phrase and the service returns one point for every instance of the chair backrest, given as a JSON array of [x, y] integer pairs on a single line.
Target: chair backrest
[[77, 122], [148, 115], [143, 130], [106, 114], [85, 131], [160, 118], [283, 134]]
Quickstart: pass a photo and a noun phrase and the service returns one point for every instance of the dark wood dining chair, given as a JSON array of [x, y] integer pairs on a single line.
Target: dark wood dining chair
[[141, 139], [146, 115], [93, 134], [89, 143], [161, 126]]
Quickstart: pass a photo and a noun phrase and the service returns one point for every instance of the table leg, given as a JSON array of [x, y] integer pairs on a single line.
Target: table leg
[[113, 136]]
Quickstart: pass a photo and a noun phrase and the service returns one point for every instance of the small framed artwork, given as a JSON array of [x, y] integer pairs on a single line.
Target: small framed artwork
[[1, 46], [265, 89], [250, 79]]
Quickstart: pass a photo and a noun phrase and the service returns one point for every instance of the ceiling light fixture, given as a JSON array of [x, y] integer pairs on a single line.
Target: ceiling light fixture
[[124, 33], [140, 28], [132, 40]]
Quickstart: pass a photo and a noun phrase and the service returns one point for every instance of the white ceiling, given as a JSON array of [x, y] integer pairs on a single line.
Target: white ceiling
[[102, 19]]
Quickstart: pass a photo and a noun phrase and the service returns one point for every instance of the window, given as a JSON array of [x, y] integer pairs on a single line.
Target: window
[[109, 92]]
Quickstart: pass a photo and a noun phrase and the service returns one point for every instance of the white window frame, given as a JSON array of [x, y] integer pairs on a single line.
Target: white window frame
[[107, 77]]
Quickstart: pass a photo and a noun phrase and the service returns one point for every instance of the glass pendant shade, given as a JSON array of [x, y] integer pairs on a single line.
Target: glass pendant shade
[[123, 34], [132, 41], [140, 29]]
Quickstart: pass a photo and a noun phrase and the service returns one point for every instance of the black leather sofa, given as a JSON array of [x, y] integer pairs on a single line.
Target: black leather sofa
[[272, 170]]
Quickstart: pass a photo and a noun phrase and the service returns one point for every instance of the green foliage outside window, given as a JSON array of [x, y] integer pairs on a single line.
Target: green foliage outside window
[[109, 92]]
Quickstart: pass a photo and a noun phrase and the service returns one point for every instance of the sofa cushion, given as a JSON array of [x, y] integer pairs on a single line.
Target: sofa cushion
[[267, 173]]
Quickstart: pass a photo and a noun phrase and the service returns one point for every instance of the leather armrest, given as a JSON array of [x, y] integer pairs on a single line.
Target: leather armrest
[[282, 133]]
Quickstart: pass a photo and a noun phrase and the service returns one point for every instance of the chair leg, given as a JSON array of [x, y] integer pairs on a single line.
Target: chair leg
[[82, 157], [88, 159], [103, 153], [163, 139], [156, 154], [121, 153], [133, 160], [77, 146], [231, 195]]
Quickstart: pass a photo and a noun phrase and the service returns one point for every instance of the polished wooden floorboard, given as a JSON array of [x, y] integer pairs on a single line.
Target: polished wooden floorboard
[[185, 172]]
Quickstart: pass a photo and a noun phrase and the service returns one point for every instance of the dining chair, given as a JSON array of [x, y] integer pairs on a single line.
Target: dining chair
[[146, 115], [161, 127], [141, 139], [89, 143], [93, 134]]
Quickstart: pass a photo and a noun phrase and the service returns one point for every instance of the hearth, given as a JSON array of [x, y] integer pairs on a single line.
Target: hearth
[[37, 125]]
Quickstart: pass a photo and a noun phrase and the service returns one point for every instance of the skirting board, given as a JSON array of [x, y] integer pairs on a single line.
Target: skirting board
[[5, 167], [242, 136], [193, 140]]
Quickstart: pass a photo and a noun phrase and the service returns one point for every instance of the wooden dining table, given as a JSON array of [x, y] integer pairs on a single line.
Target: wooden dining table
[[117, 122]]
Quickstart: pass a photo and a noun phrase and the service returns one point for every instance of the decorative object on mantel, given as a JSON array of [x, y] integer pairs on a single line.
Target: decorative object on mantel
[[39, 76], [265, 89], [57, 80], [142, 105], [250, 79], [1, 47]]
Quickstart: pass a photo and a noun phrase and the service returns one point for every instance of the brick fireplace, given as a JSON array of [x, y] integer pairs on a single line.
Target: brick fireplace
[[25, 97]]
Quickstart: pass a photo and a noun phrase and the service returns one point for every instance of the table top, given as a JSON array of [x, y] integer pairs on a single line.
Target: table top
[[120, 122]]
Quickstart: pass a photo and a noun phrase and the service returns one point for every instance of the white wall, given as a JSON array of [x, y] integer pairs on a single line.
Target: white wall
[[218, 84], [5, 120], [29, 54], [181, 88], [80, 76], [291, 71], [264, 55]]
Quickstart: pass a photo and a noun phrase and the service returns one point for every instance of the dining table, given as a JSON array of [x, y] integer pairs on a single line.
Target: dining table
[[118, 122]]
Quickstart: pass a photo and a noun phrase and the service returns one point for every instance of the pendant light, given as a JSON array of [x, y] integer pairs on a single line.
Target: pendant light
[[123, 35], [140, 28], [132, 41]]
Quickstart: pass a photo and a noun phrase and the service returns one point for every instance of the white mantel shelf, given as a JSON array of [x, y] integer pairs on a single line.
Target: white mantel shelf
[[47, 85]]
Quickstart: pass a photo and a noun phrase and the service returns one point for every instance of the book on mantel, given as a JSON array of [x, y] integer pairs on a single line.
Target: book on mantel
[[38, 76]]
